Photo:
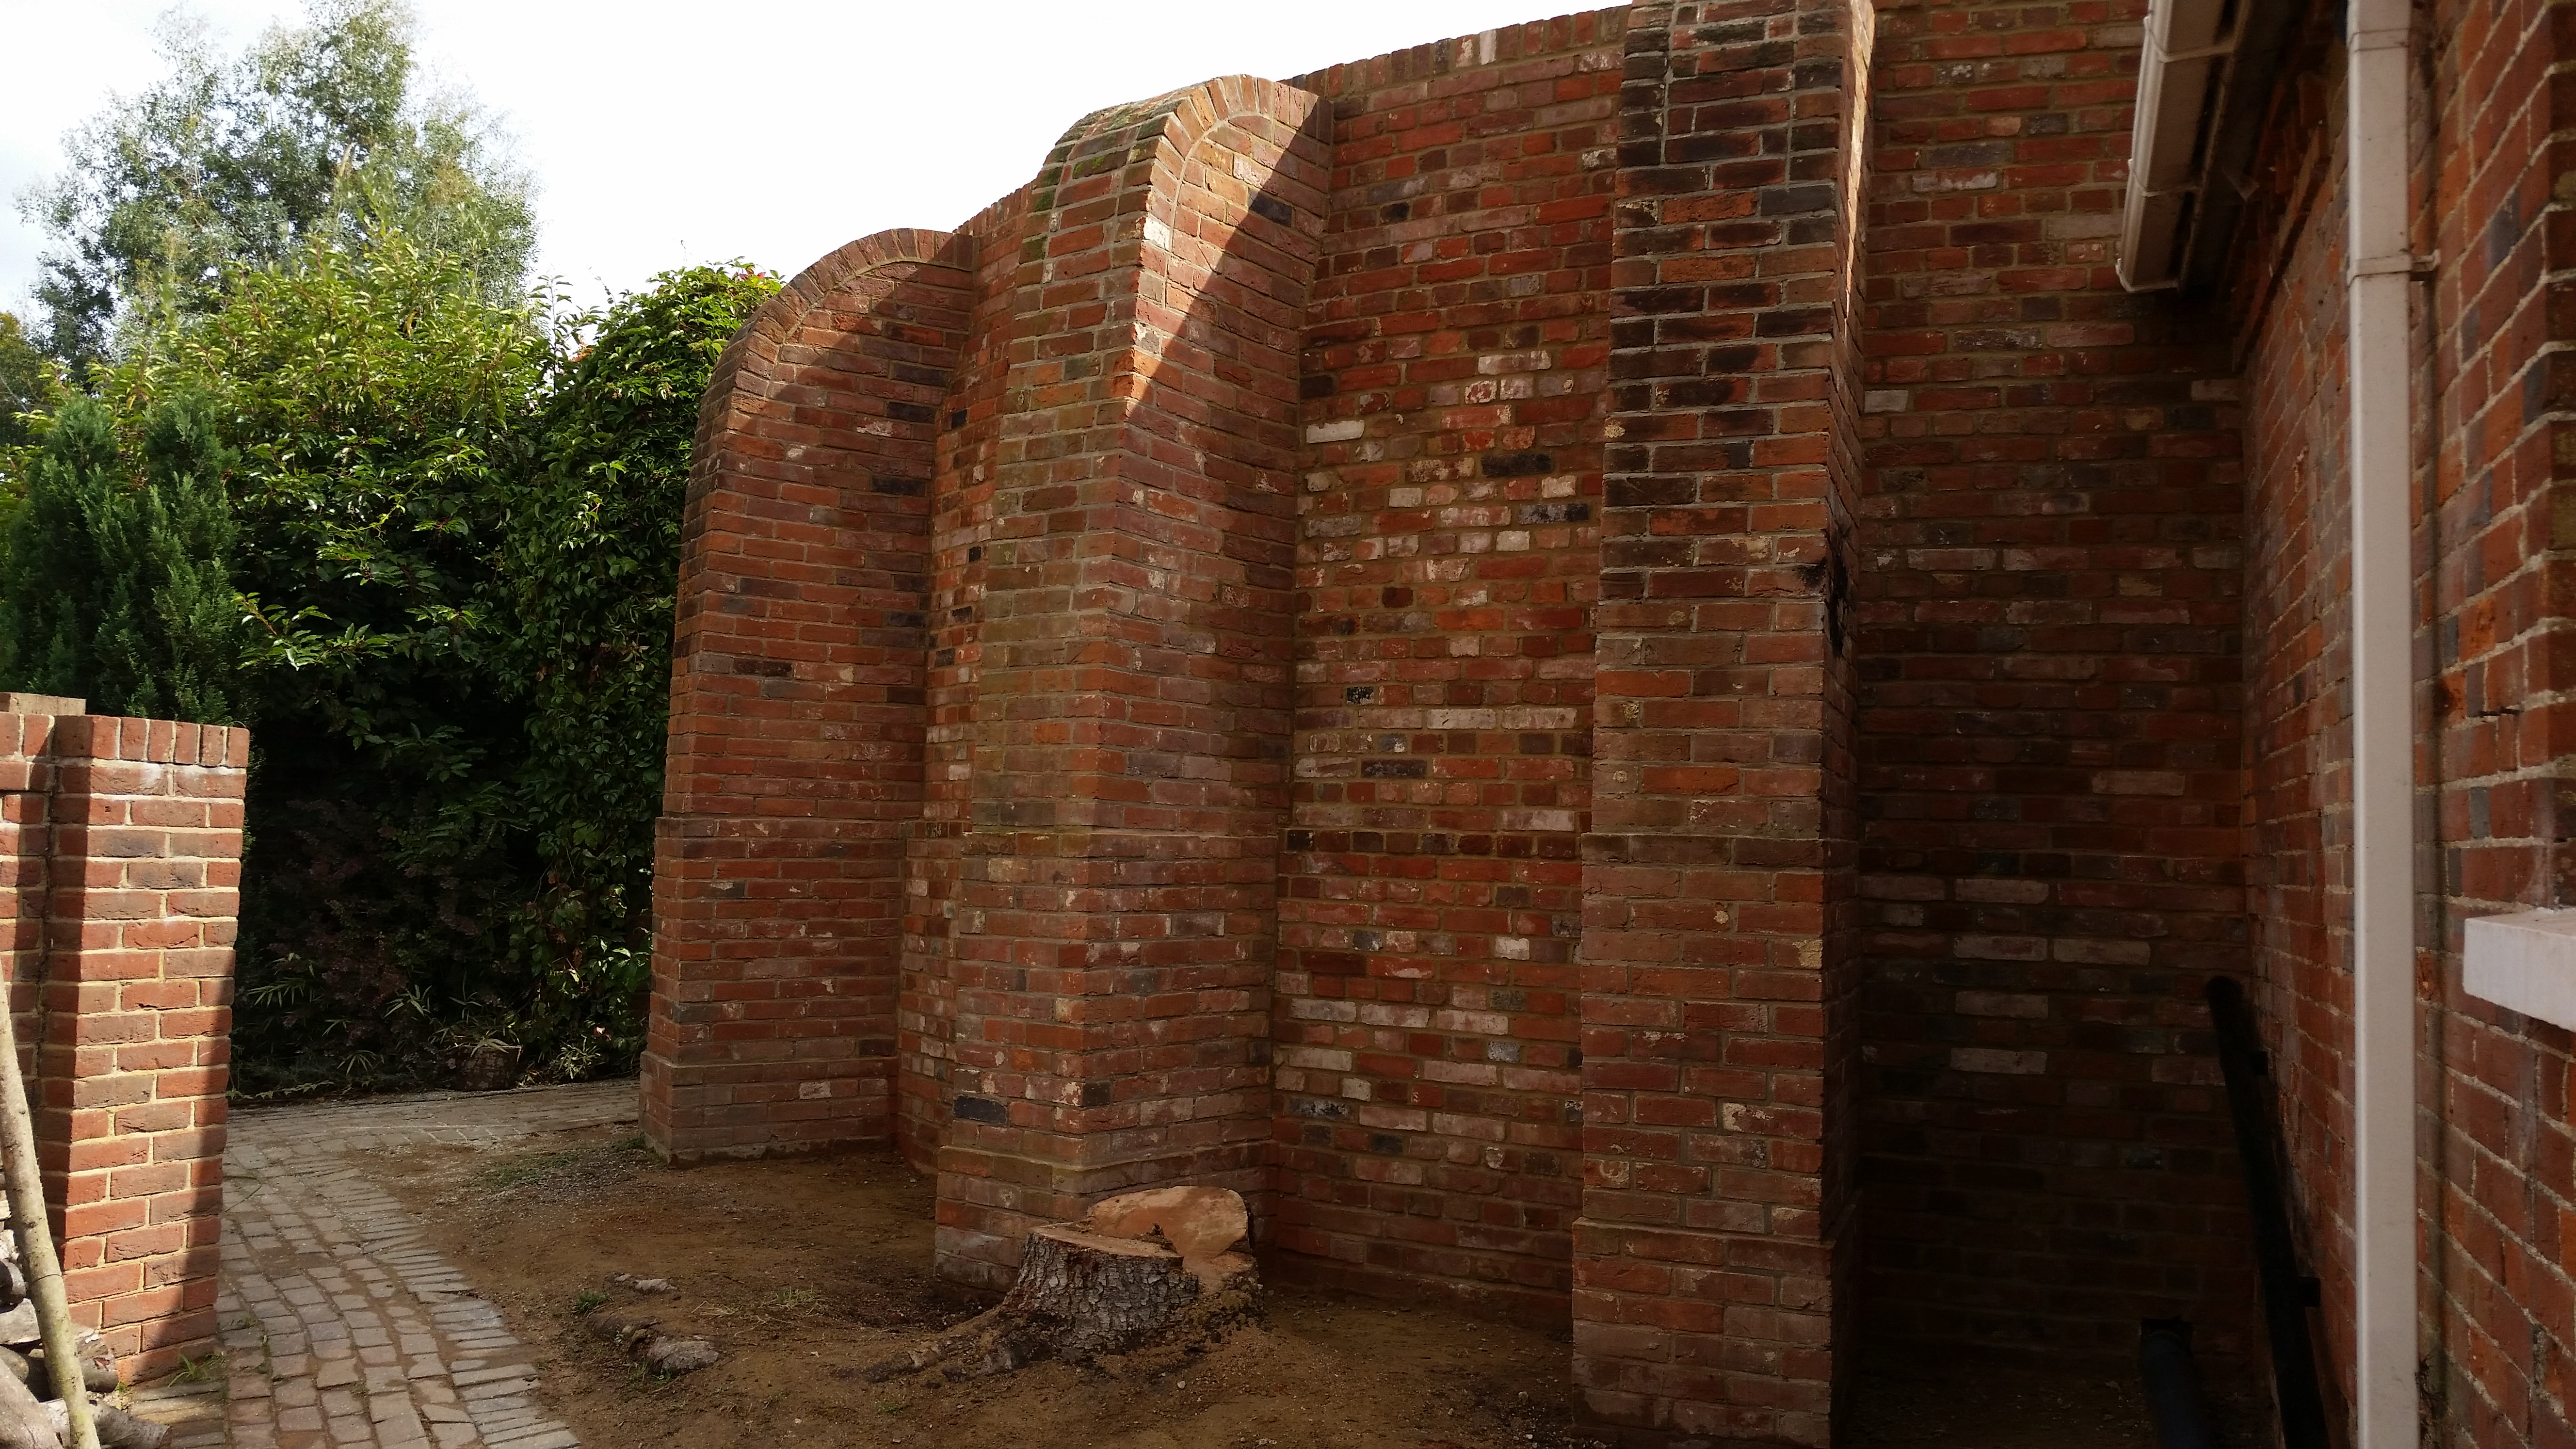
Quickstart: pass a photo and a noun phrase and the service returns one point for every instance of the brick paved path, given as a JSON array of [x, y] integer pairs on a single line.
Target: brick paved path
[[341, 1327]]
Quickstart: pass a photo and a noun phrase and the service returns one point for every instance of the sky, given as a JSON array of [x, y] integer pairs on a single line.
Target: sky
[[662, 134]]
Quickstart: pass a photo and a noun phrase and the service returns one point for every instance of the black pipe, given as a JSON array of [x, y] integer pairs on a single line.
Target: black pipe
[[2287, 1295], [2173, 1385]]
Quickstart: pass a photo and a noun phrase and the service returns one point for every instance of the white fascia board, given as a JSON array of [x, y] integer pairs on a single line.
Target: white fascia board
[[2525, 962]]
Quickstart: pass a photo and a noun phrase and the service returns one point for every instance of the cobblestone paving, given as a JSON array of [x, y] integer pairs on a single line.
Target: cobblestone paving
[[341, 1326]]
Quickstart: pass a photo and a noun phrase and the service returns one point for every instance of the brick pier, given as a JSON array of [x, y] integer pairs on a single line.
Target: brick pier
[[121, 839]]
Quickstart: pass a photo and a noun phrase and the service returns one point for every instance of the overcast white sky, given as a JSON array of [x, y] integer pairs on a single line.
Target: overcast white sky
[[662, 133]]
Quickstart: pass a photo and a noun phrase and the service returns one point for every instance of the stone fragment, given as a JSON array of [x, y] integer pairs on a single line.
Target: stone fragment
[[118, 1429], [675, 1356], [624, 1332]]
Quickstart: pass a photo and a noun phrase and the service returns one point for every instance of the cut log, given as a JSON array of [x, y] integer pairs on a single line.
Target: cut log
[[1084, 1293], [1197, 1222]]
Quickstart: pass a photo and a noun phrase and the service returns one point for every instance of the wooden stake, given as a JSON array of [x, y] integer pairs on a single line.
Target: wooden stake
[[26, 1186]]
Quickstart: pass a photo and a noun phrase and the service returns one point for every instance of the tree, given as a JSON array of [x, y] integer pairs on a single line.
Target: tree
[[425, 542], [313, 130], [115, 581], [27, 384], [384, 409]]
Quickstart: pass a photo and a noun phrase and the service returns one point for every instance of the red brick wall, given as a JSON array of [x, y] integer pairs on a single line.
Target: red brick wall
[[961, 528], [1716, 1205], [122, 842], [2501, 529], [1315, 488], [2049, 581], [1111, 941], [1455, 377], [2490, 549], [798, 708]]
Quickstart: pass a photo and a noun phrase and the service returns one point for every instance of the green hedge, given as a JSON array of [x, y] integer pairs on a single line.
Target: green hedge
[[424, 543]]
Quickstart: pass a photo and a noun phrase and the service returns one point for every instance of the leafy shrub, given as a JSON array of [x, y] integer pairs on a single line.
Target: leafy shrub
[[114, 583], [439, 534], [589, 563]]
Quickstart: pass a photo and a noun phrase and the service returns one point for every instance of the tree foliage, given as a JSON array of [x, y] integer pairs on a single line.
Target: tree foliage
[[336, 473], [115, 580], [381, 407], [444, 533], [237, 162], [28, 384], [588, 566]]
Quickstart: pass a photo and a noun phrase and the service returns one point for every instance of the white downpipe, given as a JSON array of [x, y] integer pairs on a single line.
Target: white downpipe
[[2383, 750]]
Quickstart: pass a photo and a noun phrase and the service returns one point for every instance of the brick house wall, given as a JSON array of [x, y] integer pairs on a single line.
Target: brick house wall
[[2497, 1293], [1603, 663], [2298, 740], [121, 842], [2495, 547]]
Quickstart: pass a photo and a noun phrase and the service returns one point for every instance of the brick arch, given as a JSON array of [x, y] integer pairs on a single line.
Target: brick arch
[[1111, 942], [795, 755]]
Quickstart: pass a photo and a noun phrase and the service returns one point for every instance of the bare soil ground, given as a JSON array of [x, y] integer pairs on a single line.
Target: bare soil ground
[[807, 1270]]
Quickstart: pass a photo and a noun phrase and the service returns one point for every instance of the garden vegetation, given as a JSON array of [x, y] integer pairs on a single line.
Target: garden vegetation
[[298, 446]]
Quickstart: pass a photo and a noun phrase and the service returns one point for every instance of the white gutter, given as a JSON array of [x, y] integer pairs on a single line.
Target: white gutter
[[2184, 54], [2383, 748]]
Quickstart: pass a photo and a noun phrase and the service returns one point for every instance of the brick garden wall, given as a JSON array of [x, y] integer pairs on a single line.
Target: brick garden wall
[[1110, 942], [121, 842], [1455, 382], [1717, 1210], [961, 513], [2050, 694], [1603, 663], [799, 708]]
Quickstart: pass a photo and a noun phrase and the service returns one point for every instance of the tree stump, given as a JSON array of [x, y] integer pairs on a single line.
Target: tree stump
[[1144, 1269]]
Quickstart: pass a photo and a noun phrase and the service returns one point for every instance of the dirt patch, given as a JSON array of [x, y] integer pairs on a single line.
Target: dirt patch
[[807, 1270]]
